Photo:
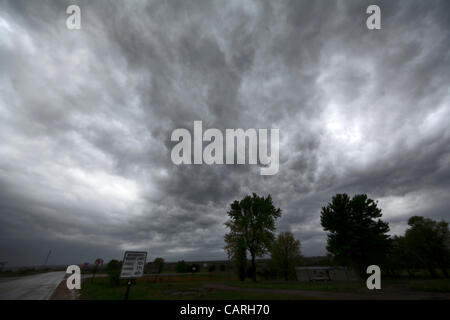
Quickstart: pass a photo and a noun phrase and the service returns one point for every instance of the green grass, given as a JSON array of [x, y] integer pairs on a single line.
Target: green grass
[[431, 285], [334, 286], [189, 290], [212, 286]]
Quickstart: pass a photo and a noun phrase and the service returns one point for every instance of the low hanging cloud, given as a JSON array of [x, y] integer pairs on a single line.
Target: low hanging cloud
[[86, 118]]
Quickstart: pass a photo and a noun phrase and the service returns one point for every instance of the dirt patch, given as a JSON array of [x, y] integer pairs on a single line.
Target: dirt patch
[[63, 293]]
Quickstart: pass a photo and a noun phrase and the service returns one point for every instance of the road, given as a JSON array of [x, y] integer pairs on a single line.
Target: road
[[35, 287]]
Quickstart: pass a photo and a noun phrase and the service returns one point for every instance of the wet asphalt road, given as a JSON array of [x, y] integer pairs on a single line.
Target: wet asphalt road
[[35, 287]]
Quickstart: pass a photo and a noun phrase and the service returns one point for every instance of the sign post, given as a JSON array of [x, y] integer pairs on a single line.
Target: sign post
[[132, 267], [129, 283], [98, 263]]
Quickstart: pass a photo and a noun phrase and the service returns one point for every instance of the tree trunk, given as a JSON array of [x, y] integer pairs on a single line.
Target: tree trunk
[[253, 267]]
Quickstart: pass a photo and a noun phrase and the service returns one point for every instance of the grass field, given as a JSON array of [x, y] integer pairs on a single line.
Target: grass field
[[336, 286], [170, 288], [431, 285], [219, 286]]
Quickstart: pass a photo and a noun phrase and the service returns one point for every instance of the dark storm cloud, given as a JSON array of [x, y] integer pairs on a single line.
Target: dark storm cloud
[[86, 118]]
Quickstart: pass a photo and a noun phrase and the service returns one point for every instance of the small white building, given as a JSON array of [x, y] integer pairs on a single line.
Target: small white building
[[325, 274]]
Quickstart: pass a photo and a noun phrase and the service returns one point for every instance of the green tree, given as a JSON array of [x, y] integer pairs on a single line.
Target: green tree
[[252, 220], [159, 263], [429, 239], [400, 257], [286, 255], [113, 265], [356, 235]]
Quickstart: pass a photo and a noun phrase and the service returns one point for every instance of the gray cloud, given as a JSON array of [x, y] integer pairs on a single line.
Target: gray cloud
[[86, 118]]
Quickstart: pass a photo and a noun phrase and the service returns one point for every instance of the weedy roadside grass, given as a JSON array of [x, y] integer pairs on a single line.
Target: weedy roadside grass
[[170, 290], [333, 286], [430, 285], [212, 286]]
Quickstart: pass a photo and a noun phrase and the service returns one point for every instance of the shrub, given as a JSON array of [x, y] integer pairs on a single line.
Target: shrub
[[114, 277], [113, 270], [181, 267]]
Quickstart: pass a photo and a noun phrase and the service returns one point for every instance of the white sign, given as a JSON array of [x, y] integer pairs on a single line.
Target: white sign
[[133, 264]]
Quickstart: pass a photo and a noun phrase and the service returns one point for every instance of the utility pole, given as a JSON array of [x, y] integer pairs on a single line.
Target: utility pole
[[46, 259]]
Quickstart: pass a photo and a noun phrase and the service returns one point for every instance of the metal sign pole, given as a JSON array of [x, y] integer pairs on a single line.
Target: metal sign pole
[[128, 289], [130, 282], [132, 267]]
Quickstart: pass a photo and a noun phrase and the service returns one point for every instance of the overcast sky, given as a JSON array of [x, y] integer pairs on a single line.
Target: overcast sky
[[86, 118]]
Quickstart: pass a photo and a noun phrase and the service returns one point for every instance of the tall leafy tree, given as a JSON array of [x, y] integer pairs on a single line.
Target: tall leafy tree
[[286, 255], [356, 235], [429, 241], [252, 221]]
